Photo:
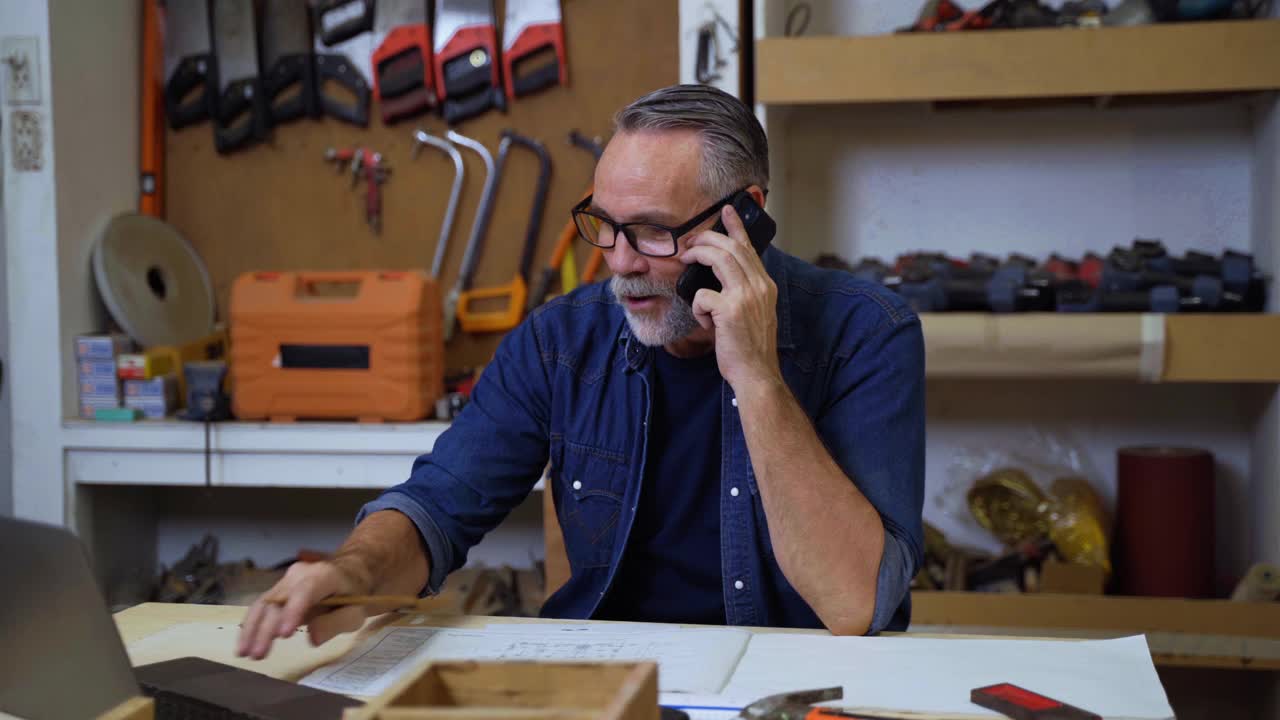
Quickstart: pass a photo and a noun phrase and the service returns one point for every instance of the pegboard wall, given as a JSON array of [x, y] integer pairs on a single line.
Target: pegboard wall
[[280, 206]]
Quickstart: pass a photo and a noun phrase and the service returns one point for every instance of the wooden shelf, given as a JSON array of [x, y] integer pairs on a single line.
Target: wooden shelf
[[1188, 633], [1207, 57], [1218, 348], [1226, 348]]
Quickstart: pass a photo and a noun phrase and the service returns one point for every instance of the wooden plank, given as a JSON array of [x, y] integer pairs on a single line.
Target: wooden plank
[[1016, 64], [1044, 345], [1087, 612], [1222, 348]]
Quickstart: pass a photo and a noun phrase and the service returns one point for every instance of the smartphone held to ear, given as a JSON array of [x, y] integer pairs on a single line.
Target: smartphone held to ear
[[760, 229]]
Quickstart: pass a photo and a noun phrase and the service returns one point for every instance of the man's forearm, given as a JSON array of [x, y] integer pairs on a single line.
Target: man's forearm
[[385, 554], [827, 536]]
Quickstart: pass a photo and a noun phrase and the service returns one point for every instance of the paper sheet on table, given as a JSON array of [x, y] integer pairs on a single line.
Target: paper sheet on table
[[614, 627], [1113, 678], [688, 660]]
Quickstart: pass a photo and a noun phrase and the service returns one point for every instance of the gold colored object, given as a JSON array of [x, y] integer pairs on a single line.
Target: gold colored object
[[1078, 524], [1008, 503]]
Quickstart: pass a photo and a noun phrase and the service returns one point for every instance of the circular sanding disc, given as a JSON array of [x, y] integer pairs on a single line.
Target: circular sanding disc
[[152, 282]]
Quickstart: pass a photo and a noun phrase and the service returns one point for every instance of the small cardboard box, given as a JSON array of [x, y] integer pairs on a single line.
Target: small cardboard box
[[1071, 578], [146, 365], [95, 370], [527, 690], [102, 347]]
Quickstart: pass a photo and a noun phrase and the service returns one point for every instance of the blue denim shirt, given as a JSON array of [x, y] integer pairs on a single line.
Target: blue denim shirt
[[570, 384]]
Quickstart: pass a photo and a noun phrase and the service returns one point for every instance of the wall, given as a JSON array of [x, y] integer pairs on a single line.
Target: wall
[[88, 53], [882, 180], [32, 298], [95, 53], [6, 407]]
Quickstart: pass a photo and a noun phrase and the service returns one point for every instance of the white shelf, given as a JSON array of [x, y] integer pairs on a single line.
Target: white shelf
[[327, 438], [364, 456]]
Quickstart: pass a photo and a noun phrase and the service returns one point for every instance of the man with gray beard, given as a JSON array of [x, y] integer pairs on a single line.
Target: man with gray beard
[[754, 457]]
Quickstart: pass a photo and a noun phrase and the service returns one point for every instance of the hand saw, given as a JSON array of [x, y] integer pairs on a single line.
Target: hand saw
[[517, 291], [241, 117], [342, 50], [466, 63], [533, 27], [289, 75], [188, 62], [403, 79]]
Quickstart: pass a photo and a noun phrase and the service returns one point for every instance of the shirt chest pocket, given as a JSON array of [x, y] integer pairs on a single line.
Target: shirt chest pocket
[[589, 484]]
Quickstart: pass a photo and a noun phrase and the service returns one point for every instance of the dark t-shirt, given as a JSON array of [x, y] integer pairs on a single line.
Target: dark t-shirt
[[670, 571]]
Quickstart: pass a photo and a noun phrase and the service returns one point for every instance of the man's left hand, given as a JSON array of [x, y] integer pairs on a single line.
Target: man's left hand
[[744, 313]]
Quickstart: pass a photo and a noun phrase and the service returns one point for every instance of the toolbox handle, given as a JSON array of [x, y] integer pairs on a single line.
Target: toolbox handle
[[308, 282]]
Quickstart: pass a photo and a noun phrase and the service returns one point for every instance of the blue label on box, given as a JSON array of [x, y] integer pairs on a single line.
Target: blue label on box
[[151, 411], [99, 400], [101, 347], [160, 388], [99, 387], [96, 369]]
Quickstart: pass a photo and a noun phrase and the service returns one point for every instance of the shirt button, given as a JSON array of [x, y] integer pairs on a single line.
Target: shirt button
[[733, 492], [577, 484], [737, 585], [733, 401]]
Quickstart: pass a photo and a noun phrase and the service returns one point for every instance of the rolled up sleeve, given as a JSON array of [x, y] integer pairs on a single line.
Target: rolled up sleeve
[[485, 464], [873, 425]]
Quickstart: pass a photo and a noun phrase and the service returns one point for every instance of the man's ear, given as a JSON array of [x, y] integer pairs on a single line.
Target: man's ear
[[757, 193]]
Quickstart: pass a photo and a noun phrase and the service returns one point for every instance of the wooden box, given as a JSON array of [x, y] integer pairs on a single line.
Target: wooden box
[[519, 691], [138, 708]]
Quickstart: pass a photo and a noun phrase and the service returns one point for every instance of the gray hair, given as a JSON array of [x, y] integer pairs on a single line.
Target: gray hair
[[735, 151]]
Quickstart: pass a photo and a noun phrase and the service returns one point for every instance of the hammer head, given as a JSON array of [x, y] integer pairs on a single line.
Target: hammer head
[[789, 706]]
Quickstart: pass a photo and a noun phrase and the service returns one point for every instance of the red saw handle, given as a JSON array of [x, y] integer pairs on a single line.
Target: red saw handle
[[402, 63], [532, 40]]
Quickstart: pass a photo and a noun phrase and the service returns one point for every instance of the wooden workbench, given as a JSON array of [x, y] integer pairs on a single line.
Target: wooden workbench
[[294, 658]]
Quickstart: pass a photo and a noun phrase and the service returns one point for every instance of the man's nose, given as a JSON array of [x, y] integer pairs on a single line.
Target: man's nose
[[624, 260]]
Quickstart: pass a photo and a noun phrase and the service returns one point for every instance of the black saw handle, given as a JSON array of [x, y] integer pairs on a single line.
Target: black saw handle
[[193, 71], [338, 69], [292, 71]]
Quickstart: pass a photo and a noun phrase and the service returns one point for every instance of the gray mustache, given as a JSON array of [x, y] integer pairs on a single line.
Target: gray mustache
[[641, 286]]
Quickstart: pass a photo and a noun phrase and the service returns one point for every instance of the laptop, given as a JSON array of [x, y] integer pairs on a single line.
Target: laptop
[[63, 658]]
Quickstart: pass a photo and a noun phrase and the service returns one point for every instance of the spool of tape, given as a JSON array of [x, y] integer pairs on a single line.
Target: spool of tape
[[152, 281]]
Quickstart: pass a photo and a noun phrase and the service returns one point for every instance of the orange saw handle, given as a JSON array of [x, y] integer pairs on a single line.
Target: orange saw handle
[[472, 321]]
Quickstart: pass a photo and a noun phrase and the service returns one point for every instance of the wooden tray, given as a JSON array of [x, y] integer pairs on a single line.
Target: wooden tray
[[519, 691]]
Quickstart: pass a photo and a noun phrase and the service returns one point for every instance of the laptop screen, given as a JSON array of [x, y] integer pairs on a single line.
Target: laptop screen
[[63, 654]]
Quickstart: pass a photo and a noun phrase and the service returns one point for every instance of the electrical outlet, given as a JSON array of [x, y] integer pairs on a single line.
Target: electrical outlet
[[27, 139], [20, 55]]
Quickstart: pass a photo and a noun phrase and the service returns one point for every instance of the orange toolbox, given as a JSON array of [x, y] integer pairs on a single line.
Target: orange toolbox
[[367, 345]]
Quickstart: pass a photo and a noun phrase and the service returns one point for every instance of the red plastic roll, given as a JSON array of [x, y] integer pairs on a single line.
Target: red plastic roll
[[1164, 522]]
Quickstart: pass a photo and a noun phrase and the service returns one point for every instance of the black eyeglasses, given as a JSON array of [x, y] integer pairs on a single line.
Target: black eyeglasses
[[648, 239]]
